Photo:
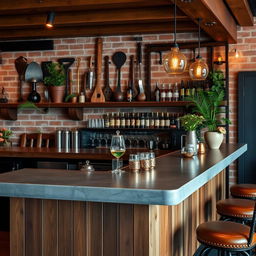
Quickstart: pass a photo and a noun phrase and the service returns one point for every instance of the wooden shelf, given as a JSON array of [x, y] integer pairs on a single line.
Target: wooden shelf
[[132, 129]]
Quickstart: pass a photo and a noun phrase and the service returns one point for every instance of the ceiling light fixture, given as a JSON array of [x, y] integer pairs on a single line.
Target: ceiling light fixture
[[199, 69], [175, 62], [50, 20]]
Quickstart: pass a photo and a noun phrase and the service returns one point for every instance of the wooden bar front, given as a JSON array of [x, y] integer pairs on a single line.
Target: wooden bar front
[[74, 228]]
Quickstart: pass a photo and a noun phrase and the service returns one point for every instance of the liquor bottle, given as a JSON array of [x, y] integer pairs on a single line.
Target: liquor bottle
[[137, 121], [187, 91], [133, 121], [163, 93], [129, 93], [182, 91], [177, 120], [175, 92], [162, 120], [147, 121], [122, 121], [172, 124], [167, 120], [142, 121], [157, 93], [169, 94], [106, 121], [157, 120], [192, 89], [112, 121], [117, 121], [127, 120], [152, 121]]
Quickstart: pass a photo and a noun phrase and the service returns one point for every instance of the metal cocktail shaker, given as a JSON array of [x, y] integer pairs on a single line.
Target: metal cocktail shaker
[[75, 140], [66, 140]]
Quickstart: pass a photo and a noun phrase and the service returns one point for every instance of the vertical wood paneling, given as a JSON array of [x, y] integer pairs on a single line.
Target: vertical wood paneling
[[165, 233], [50, 227], [17, 227], [110, 229], [141, 230], [33, 227], [65, 228], [80, 229], [126, 230], [95, 229], [154, 230]]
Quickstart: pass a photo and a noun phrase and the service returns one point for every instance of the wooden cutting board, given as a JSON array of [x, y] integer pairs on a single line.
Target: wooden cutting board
[[98, 95]]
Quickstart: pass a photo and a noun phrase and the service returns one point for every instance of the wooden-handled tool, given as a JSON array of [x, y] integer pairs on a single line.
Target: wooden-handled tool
[[141, 96], [98, 95], [131, 78], [78, 75], [108, 93]]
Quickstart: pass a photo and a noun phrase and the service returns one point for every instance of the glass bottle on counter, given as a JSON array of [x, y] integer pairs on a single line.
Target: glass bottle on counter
[[133, 121], [176, 92], [106, 121], [147, 121], [162, 120], [157, 93], [122, 121], [163, 93], [152, 121], [169, 93], [157, 120], [118, 121], [167, 120], [182, 91], [112, 121], [137, 122]]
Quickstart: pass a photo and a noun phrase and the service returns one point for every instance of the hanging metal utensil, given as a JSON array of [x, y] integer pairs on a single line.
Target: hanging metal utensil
[[108, 93], [141, 96], [21, 65], [78, 75], [89, 78]]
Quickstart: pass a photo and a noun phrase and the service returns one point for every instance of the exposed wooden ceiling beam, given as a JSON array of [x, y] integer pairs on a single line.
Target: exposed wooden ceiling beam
[[212, 11], [136, 28], [32, 6], [93, 17], [242, 12]]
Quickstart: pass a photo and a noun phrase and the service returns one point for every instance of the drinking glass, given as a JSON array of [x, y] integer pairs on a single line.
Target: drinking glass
[[117, 149]]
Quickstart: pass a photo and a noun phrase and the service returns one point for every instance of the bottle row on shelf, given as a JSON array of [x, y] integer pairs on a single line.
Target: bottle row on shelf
[[153, 120], [179, 91]]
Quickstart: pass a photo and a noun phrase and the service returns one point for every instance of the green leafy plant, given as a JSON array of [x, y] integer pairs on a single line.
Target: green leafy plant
[[57, 75], [70, 96], [30, 105], [216, 78], [5, 135], [191, 122]]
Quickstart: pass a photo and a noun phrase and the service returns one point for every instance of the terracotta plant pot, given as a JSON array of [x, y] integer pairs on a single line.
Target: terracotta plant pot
[[57, 93], [213, 139]]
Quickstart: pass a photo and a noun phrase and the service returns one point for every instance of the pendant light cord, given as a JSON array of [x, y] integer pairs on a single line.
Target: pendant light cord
[[199, 36], [175, 22]]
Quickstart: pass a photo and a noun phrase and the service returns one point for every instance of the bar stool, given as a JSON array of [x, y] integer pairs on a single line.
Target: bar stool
[[235, 209], [244, 191], [227, 237]]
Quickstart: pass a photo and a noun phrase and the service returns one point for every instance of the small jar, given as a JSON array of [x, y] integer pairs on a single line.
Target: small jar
[[81, 98], [134, 162], [145, 161], [152, 160]]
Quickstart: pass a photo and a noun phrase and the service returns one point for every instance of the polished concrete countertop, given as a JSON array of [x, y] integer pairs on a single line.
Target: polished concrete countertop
[[174, 179]]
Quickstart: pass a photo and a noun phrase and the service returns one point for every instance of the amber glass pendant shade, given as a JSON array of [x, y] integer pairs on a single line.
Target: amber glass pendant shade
[[175, 61], [198, 70]]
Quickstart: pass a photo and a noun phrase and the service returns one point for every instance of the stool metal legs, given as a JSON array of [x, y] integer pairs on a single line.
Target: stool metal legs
[[204, 251]]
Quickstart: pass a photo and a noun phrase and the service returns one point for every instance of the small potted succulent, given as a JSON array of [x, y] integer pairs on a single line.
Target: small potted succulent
[[56, 81]]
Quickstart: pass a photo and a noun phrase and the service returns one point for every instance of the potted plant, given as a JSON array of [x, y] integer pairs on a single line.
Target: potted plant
[[5, 135], [191, 123], [56, 82], [207, 104]]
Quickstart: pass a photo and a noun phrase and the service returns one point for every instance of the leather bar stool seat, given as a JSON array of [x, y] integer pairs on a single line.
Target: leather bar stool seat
[[244, 191], [225, 234], [236, 208]]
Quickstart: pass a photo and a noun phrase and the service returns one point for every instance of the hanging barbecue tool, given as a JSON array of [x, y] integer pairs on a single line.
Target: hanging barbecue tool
[[89, 77], [66, 63], [98, 95], [108, 93], [78, 76], [119, 58], [131, 79], [34, 75], [141, 96], [21, 65], [44, 66]]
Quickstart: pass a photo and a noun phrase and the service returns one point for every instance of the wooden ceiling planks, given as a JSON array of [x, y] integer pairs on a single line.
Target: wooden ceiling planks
[[241, 11]]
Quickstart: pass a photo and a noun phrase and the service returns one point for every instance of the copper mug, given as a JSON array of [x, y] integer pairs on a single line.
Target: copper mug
[[201, 148]]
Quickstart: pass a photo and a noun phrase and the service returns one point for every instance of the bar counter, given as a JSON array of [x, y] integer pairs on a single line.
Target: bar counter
[[132, 214]]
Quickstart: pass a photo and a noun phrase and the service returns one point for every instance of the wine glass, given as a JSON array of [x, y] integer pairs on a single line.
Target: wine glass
[[117, 149]]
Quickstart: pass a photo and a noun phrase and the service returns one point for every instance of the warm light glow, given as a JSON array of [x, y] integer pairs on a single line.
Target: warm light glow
[[236, 53], [198, 70], [175, 62], [48, 25], [219, 59]]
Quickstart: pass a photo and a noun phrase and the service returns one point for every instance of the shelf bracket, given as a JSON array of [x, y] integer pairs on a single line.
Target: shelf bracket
[[75, 114], [9, 113]]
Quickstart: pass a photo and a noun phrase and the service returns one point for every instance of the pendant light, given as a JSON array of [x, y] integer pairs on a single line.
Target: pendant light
[[50, 20], [175, 62], [199, 70]]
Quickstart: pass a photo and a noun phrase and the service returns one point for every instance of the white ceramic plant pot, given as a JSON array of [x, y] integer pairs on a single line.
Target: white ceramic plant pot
[[213, 139]]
